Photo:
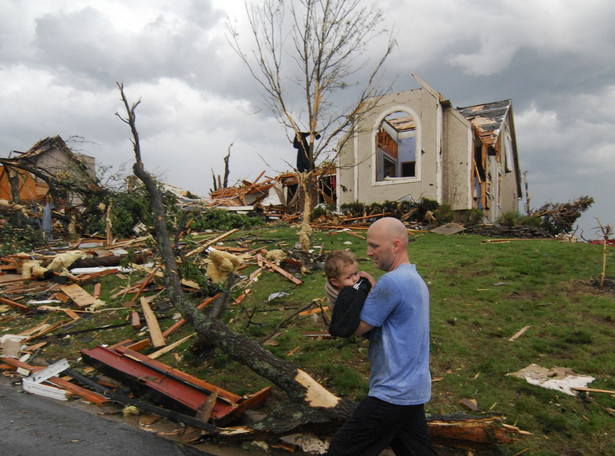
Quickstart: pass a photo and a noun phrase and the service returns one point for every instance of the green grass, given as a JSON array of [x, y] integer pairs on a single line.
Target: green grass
[[481, 294]]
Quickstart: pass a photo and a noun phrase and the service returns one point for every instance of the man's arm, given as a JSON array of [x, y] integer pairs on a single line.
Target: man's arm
[[362, 329]]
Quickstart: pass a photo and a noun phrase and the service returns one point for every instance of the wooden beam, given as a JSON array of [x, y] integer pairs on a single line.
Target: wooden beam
[[14, 305], [261, 260], [79, 296], [152, 324]]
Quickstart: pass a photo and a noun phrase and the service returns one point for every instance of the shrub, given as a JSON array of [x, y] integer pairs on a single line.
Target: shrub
[[530, 220], [221, 220], [444, 214], [510, 218], [353, 209], [474, 217]]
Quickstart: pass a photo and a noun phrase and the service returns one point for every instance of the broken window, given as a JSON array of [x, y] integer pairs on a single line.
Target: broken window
[[396, 147]]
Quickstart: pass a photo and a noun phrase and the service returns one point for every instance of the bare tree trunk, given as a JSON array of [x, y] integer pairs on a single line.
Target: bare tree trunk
[[528, 197], [305, 184], [13, 177], [315, 402], [226, 167]]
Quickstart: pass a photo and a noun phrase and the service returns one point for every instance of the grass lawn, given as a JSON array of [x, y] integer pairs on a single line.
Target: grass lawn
[[482, 293]]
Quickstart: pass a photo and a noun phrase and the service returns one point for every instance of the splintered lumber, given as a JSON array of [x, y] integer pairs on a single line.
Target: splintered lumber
[[313, 311], [14, 305], [97, 289], [210, 242], [593, 390], [185, 282], [147, 280], [135, 319], [79, 296], [170, 347], [144, 343], [152, 324], [261, 260], [519, 333], [473, 430]]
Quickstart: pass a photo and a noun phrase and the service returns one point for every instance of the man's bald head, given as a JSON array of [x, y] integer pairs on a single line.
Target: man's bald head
[[387, 243], [393, 228]]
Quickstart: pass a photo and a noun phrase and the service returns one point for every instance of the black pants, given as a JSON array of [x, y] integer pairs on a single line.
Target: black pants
[[376, 425]]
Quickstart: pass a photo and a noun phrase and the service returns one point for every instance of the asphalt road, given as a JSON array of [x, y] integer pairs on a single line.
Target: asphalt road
[[37, 426]]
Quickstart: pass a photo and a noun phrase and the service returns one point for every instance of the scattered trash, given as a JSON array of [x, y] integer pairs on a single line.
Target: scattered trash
[[279, 294]]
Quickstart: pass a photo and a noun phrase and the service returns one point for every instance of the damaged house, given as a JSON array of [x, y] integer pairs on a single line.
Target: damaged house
[[415, 144], [31, 176]]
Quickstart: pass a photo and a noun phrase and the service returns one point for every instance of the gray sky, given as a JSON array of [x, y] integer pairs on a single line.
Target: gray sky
[[60, 60]]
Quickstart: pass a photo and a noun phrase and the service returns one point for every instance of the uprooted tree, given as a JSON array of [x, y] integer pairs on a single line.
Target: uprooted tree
[[326, 41]]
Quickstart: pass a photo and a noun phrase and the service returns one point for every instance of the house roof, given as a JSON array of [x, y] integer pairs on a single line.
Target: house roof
[[487, 119], [44, 145]]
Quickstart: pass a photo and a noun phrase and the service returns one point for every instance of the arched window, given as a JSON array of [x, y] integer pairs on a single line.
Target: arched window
[[396, 147]]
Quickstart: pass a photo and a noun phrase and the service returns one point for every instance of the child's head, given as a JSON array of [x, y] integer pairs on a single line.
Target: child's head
[[342, 269]]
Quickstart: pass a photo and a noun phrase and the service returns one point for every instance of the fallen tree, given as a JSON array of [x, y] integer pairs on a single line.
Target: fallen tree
[[315, 403]]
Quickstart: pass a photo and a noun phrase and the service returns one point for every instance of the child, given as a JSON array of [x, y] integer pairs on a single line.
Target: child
[[346, 289]]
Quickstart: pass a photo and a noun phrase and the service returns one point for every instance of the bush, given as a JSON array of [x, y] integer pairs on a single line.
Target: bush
[[321, 210], [474, 217], [510, 218], [221, 220], [353, 209], [530, 220], [444, 214]]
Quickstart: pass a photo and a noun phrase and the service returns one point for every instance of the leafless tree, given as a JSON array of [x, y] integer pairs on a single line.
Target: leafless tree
[[304, 54]]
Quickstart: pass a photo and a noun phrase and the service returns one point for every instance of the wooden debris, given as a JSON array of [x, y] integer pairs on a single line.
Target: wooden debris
[[135, 319], [473, 430], [14, 305], [170, 347], [79, 296], [263, 262], [210, 242], [143, 285], [152, 325], [313, 311], [593, 390], [519, 333]]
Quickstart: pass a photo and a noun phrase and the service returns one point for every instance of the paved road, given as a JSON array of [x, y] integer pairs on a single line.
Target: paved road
[[33, 425]]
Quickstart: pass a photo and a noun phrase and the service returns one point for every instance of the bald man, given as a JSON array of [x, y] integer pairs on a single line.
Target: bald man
[[396, 313]]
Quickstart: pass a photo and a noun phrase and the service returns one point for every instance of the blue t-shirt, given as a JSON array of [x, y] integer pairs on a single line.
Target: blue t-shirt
[[398, 308]]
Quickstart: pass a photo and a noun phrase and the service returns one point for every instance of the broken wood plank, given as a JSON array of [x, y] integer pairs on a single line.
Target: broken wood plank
[[152, 324], [261, 260], [144, 343], [135, 319], [313, 311], [170, 347], [593, 390], [146, 282], [79, 296], [14, 305], [519, 333], [209, 242], [181, 322], [97, 289]]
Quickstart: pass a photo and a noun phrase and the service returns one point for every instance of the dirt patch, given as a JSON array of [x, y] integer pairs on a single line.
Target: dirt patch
[[592, 286]]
